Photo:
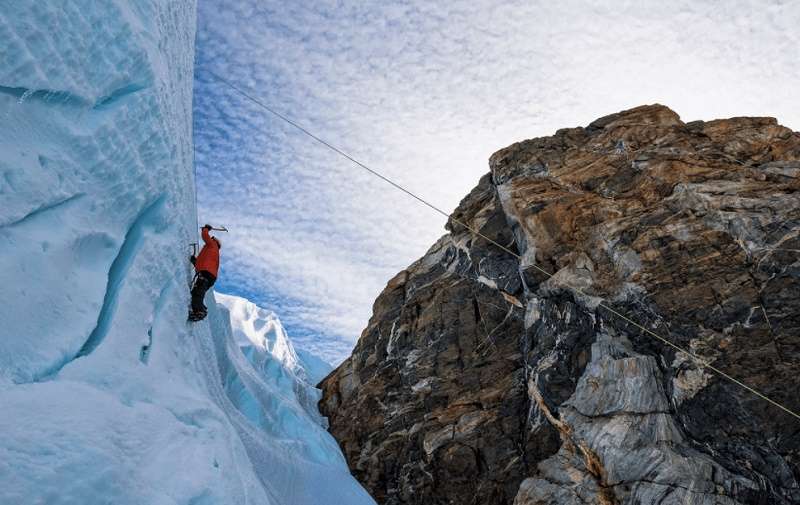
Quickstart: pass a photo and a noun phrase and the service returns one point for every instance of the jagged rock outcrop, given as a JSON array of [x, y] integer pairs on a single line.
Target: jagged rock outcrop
[[479, 379]]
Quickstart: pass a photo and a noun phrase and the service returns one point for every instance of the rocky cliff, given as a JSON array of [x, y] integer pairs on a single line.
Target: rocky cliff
[[479, 379]]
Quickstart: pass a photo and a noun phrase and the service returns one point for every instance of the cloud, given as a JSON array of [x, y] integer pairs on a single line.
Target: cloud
[[425, 93]]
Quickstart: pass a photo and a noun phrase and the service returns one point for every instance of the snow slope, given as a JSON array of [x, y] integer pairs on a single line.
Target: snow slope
[[255, 327], [264, 343], [107, 394]]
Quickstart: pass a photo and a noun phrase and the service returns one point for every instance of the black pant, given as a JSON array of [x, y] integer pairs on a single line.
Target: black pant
[[202, 283]]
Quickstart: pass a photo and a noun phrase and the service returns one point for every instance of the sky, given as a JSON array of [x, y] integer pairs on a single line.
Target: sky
[[425, 92]]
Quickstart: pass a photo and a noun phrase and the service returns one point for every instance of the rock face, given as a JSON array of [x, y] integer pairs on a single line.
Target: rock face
[[482, 380]]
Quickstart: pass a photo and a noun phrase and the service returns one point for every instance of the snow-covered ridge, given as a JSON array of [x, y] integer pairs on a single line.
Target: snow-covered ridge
[[253, 325], [256, 327], [107, 394], [263, 341]]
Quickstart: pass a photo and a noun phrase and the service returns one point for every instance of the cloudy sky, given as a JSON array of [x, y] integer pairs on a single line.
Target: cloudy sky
[[425, 92]]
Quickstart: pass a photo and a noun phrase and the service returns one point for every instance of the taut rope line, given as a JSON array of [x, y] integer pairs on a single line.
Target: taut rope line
[[603, 304]]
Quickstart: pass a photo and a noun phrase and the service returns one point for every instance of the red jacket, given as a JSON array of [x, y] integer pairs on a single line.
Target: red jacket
[[208, 259]]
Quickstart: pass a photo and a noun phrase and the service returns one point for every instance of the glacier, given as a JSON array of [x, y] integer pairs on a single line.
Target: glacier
[[107, 394]]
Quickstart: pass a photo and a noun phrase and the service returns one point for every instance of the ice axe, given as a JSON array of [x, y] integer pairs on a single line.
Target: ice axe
[[221, 228]]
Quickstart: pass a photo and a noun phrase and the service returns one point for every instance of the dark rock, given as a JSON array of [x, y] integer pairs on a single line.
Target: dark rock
[[481, 379]]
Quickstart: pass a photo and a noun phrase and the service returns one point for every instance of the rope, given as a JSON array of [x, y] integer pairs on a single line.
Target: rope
[[603, 304], [326, 144], [196, 214], [194, 166]]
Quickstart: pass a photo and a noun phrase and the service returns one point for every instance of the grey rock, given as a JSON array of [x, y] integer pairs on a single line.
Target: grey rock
[[480, 379]]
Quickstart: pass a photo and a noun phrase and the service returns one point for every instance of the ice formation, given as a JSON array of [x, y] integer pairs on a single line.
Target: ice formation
[[107, 394]]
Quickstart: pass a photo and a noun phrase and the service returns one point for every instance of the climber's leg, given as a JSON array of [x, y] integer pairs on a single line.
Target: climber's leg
[[202, 284]]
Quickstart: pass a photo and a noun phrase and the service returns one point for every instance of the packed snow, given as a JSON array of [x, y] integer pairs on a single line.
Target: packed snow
[[107, 394], [255, 328]]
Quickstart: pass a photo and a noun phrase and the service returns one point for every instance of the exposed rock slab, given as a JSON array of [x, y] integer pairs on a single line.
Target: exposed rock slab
[[481, 380]]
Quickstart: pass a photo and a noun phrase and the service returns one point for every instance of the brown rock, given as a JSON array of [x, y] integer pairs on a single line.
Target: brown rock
[[478, 372]]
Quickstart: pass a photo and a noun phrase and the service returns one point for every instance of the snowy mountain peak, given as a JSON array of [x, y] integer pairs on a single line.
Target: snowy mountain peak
[[253, 325], [257, 327]]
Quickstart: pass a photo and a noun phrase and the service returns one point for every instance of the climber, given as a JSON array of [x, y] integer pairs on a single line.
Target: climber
[[206, 264]]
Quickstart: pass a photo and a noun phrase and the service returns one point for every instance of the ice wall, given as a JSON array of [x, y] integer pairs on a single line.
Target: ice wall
[[95, 170], [107, 394]]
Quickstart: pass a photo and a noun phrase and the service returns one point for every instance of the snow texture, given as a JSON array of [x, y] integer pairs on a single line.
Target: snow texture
[[261, 330], [107, 394]]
